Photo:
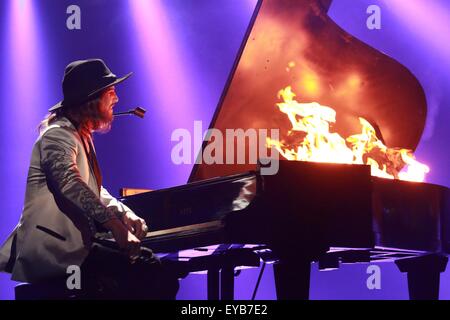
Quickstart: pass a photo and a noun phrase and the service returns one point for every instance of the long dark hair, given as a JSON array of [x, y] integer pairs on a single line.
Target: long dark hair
[[87, 118]]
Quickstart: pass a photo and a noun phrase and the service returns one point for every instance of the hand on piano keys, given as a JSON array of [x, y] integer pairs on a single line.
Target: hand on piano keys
[[126, 241], [135, 224]]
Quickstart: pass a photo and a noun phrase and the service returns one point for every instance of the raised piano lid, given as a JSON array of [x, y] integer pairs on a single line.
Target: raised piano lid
[[282, 31]]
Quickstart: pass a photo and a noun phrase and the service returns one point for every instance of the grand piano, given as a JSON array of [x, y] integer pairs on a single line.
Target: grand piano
[[307, 212]]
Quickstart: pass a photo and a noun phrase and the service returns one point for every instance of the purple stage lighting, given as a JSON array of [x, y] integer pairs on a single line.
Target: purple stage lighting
[[20, 94]]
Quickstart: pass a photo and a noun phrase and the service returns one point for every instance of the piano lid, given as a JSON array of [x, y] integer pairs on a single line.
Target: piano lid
[[348, 75]]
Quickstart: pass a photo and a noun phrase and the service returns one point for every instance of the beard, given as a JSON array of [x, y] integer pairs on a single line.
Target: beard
[[105, 118]]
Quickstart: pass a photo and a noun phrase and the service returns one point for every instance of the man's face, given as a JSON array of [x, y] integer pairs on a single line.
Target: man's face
[[108, 100]]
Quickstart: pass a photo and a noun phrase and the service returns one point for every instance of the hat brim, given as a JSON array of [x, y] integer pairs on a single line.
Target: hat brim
[[90, 95]]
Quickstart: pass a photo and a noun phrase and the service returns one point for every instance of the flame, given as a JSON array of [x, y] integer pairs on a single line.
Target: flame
[[313, 141]]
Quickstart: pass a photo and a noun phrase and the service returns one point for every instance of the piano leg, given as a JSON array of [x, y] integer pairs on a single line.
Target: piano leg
[[423, 275], [213, 281], [292, 279], [221, 284], [221, 269], [227, 283]]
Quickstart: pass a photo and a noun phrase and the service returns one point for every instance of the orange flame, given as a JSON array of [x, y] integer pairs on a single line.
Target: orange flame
[[318, 144]]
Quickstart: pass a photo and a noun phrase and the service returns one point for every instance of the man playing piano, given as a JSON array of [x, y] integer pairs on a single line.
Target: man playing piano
[[66, 205]]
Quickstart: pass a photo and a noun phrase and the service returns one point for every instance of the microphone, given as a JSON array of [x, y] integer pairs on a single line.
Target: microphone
[[138, 112]]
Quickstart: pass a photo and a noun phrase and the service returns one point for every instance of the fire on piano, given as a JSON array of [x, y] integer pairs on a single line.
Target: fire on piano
[[328, 213]]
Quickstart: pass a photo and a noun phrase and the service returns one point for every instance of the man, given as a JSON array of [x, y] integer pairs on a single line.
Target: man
[[66, 205]]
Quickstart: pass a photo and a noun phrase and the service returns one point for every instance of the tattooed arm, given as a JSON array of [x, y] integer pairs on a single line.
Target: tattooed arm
[[58, 160]]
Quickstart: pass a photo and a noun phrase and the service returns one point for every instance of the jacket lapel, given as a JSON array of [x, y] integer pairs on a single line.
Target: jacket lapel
[[95, 166], [93, 163]]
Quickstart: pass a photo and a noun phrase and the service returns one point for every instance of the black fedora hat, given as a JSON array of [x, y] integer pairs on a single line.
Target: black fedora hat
[[83, 79]]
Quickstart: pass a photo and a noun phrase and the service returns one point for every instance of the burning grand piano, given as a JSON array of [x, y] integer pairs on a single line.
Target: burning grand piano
[[311, 211]]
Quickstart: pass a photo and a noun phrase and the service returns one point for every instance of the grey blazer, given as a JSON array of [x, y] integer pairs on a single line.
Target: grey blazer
[[62, 203]]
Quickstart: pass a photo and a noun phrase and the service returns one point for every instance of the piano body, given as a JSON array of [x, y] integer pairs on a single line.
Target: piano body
[[329, 213], [308, 212]]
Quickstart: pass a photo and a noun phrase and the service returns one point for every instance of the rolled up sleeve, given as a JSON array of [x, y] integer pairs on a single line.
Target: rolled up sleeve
[[109, 201]]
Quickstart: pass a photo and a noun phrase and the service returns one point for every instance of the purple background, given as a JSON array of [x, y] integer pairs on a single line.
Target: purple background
[[181, 52]]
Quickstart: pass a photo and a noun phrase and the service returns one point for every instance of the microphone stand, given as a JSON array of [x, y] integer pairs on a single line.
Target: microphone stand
[[139, 112]]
